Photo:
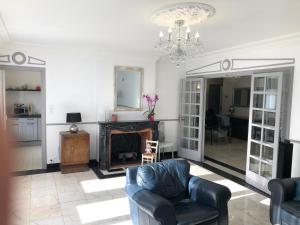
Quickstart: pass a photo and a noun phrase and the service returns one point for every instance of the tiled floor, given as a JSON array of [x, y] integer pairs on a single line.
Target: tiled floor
[[81, 198], [28, 158], [233, 153]]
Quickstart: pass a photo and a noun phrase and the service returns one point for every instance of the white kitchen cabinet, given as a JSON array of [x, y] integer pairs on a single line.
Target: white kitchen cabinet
[[29, 129], [14, 124], [24, 129]]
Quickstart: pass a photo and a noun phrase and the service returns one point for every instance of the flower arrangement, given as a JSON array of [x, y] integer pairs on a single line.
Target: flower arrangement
[[151, 100]]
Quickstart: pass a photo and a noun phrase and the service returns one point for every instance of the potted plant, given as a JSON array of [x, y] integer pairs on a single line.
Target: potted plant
[[151, 100]]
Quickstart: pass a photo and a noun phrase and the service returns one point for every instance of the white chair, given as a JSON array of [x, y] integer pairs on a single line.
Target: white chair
[[150, 157]]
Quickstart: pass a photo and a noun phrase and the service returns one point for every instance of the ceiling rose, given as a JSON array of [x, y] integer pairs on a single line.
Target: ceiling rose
[[190, 12]]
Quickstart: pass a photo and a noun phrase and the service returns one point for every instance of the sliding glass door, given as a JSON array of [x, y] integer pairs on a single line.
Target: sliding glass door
[[264, 126], [191, 118]]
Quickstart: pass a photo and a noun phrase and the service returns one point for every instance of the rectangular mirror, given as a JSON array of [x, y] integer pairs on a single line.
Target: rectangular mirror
[[128, 88]]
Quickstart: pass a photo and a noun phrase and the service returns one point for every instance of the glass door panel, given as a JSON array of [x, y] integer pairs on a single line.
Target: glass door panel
[[258, 100], [270, 101], [259, 83], [264, 124], [267, 153], [191, 118], [255, 149], [257, 117]]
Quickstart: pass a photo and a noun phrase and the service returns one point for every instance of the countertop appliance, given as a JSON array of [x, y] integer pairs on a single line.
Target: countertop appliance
[[20, 109]]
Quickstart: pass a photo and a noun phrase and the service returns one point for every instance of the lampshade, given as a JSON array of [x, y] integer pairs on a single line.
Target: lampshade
[[73, 117]]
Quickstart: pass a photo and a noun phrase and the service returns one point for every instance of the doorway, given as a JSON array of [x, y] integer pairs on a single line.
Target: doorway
[[226, 121], [253, 119], [24, 104]]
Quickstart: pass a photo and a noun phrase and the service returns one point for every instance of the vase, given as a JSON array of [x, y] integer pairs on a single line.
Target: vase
[[151, 117]]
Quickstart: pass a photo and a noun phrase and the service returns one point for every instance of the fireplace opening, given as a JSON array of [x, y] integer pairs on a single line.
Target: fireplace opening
[[126, 148]]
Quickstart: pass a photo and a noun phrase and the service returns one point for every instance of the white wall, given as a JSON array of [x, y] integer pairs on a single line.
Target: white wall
[[168, 88], [81, 80]]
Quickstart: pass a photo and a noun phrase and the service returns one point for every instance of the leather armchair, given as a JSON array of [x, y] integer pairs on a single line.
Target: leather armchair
[[283, 209], [165, 193]]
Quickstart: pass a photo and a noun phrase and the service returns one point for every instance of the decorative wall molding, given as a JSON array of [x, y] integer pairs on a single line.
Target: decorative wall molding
[[233, 65], [210, 68], [19, 58], [5, 58], [241, 64], [35, 61], [4, 36]]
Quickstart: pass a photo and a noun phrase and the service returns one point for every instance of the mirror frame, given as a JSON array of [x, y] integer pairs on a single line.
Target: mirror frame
[[128, 68]]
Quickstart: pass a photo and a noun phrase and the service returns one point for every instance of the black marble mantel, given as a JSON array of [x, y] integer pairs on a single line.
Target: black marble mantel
[[105, 129]]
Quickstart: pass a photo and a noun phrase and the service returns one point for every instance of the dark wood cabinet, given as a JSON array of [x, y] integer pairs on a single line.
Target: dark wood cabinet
[[74, 151], [239, 127]]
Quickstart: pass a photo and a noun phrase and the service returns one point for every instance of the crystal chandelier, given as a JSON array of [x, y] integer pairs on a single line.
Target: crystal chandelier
[[180, 43]]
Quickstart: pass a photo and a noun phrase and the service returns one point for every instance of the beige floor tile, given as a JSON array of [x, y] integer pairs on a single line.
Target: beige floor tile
[[44, 191], [51, 221], [42, 213], [71, 197], [50, 200], [28, 158], [233, 153]]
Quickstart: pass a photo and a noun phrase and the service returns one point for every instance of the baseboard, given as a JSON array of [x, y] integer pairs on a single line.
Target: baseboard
[[53, 167], [226, 165]]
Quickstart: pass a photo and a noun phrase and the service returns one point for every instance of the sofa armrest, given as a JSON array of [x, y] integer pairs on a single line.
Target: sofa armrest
[[154, 206], [211, 194], [281, 190]]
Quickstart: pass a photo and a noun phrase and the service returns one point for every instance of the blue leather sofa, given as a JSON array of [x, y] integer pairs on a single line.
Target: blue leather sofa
[[165, 193], [283, 209]]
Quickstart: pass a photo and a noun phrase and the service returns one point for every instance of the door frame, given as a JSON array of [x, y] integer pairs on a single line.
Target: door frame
[[249, 72], [188, 153], [42, 70]]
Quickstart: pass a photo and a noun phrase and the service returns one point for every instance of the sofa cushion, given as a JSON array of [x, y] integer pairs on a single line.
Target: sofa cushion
[[189, 212], [292, 207], [168, 178], [297, 191]]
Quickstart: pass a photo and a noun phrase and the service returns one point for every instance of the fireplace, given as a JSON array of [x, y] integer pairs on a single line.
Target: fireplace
[[126, 148], [122, 143]]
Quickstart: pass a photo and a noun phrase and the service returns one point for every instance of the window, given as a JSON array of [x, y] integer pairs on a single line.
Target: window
[[241, 97]]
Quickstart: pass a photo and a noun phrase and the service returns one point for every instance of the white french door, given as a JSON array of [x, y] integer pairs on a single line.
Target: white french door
[[264, 126], [191, 118], [2, 98]]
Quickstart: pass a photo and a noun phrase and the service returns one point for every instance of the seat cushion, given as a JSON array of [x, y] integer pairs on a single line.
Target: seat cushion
[[189, 212], [297, 191], [290, 212], [168, 178]]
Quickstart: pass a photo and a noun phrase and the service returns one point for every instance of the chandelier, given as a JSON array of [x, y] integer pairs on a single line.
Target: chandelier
[[179, 43]]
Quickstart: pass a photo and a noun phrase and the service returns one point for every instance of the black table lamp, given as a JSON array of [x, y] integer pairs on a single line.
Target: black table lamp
[[73, 118]]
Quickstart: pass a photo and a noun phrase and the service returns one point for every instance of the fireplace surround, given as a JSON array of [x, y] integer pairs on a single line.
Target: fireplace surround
[[120, 140]]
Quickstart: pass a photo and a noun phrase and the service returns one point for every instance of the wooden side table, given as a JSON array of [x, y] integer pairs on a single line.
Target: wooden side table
[[74, 151]]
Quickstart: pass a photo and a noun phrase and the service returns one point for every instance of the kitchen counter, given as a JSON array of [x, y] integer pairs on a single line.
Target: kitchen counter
[[25, 116]]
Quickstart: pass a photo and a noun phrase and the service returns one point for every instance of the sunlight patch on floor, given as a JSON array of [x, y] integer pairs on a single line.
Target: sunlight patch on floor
[[97, 185], [241, 196], [103, 210], [198, 171], [234, 187], [265, 201]]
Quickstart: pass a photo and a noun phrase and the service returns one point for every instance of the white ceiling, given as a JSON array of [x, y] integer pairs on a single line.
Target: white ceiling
[[125, 24]]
